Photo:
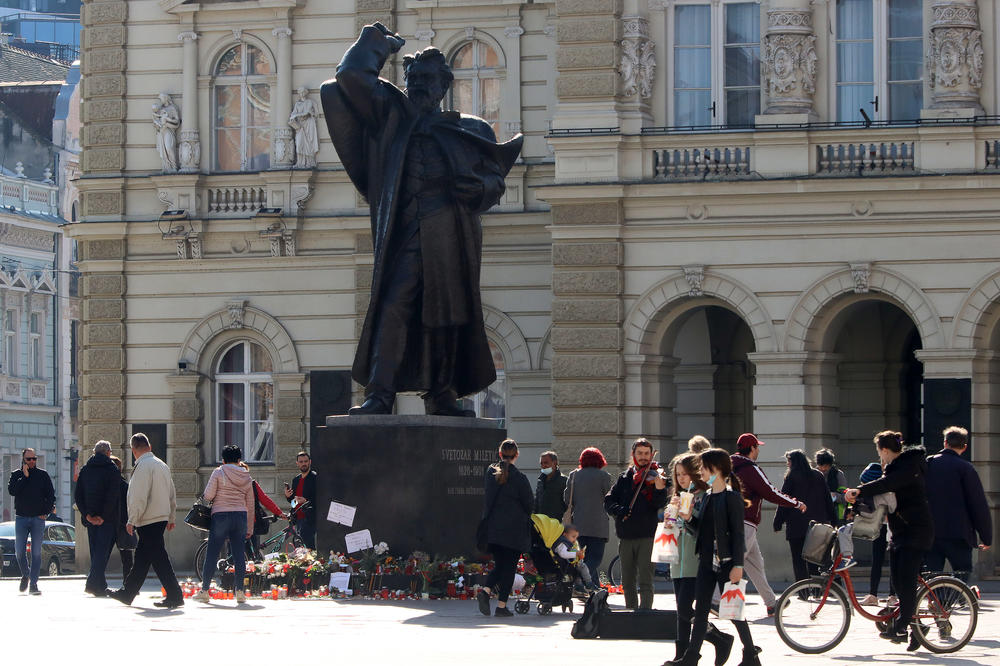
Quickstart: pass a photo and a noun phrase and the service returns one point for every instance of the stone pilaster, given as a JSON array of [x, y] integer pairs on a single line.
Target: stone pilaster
[[185, 435], [282, 137], [789, 58], [955, 55], [289, 418], [103, 65], [189, 143], [588, 389], [102, 353]]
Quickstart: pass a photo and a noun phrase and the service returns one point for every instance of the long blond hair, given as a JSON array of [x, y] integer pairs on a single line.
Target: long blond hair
[[501, 469]]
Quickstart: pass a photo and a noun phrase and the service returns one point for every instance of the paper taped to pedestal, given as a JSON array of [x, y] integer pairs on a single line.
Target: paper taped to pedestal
[[340, 580], [358, 540], [341, 513]]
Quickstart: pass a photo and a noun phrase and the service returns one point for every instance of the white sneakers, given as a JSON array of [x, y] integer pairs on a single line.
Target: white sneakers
[[241, 597], [870, 600]]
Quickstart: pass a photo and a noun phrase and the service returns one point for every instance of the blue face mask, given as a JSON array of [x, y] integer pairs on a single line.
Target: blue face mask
[[546, 470], [712, 479]]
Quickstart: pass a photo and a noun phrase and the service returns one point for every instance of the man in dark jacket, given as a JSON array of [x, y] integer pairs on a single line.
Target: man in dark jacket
[[427, 175], [97, 499], [34, 499], [550, 486], [634, 502], [958, 506], [756, 488], [303, 489]]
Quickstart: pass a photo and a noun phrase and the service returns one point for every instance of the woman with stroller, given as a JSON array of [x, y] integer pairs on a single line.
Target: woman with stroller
[[685, 470], [718, 533], [507, 509], [808, 485]]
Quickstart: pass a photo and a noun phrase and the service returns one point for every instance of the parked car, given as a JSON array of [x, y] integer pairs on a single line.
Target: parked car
[[58, 550]]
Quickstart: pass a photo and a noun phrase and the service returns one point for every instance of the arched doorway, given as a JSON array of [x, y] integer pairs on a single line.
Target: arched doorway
[[705, 382]]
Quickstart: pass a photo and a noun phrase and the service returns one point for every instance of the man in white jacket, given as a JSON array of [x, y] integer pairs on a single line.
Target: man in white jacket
[[152, 503]]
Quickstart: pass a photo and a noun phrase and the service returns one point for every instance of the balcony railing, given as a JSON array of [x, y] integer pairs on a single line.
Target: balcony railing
[[865, 159], [236, 200], [701, 163], [28, 195], [993, 154]]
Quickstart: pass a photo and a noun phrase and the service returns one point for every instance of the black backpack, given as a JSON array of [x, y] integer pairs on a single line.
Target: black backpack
[[596, 606]]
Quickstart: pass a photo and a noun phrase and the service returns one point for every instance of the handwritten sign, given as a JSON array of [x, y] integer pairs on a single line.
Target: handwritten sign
[[358, 540], [341, 513], [340, 580]]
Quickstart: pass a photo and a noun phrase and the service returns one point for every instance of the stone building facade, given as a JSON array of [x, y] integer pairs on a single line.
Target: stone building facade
[[704, 234]]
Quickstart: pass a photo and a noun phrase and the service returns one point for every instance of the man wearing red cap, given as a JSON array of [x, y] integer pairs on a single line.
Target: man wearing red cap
[[757, 487]]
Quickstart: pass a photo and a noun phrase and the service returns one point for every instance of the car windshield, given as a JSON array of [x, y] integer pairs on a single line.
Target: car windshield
[[7, 530]]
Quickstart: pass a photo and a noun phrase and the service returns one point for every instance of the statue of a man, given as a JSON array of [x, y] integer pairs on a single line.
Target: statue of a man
[[427, 175], [166, 120], [303, 121]]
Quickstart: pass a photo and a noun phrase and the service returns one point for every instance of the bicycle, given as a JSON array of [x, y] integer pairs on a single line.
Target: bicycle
[[814, 614], [285, 541], [614, 571]]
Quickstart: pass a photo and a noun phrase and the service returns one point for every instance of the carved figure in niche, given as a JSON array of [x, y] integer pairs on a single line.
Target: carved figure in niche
[[166, 120], [303, 121], [427, 175]]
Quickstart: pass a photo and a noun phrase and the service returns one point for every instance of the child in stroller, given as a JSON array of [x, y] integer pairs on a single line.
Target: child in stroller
[[559, 563]]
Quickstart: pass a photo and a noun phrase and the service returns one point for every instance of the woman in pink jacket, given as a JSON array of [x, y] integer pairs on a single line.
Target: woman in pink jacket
[[230, 490]]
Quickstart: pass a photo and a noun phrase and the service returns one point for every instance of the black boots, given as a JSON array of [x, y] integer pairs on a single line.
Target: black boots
[[687, 660], [750, 657], [722, 642]]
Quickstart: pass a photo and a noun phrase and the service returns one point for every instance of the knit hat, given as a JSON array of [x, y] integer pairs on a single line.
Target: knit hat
[[872, 473]]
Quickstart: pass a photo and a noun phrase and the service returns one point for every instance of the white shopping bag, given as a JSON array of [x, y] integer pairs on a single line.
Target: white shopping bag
[[665, 544], [733, 600]]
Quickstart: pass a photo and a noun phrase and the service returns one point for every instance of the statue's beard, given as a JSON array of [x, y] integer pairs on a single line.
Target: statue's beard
[[423, 100]]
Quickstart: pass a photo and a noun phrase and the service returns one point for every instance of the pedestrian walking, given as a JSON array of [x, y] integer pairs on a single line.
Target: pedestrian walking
[[584, 495], [635, 502], [756, 489], [152, 505], [507, 505], [685, 474], [550, 487], [805, 483], [97, 499], [836, 481], [303, 489], [911, 523], [125, 542], [230, 490], [34, 499], [719, 537], [958, 506]]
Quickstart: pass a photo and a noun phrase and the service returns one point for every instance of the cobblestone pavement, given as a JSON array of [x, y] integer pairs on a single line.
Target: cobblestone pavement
[[64, 625]]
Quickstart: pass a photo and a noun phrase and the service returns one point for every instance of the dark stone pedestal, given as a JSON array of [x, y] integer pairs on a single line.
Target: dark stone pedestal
[[417, 481]]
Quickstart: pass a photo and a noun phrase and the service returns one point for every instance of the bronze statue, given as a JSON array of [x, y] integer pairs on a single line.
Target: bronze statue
[[427, 175]]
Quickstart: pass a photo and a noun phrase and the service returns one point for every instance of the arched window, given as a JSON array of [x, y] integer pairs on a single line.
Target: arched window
[[476, 89], [241, 104], [245, 402], [491, 403]]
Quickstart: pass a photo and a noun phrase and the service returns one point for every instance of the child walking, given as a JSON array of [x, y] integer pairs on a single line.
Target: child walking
[[720, 545], [686, 472]]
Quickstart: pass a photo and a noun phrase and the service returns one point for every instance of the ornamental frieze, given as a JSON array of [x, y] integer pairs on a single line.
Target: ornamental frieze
[[33, 239]]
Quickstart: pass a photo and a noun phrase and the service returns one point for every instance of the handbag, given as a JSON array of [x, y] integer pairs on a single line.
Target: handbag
[[567, 517], [124, 540], [200, 515], [868, 526], [816, 548]]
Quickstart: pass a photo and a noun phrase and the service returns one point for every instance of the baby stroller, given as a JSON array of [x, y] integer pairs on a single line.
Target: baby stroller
[[557, 575]]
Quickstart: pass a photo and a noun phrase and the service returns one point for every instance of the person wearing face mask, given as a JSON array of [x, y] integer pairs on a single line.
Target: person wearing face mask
[[550, 487], [634, 502]]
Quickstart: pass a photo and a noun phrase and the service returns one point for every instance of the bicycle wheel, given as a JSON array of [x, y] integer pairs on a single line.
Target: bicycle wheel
[[199, 560], [291, 542], [615, 571], [946, 615], [809, 623]]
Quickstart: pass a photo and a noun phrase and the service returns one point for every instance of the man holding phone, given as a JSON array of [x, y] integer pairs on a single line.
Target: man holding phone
[[303, 489], [34, 499]]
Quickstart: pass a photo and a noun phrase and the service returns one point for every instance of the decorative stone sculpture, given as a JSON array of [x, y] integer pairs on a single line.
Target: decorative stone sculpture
[[638, 63], [861, 273], [789, 61], [695, 276], [303, 121], [955, 56], [166, 120]]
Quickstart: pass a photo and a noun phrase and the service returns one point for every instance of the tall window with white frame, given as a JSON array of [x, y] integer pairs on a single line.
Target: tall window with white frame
[[716, 64], [476, 89], [37, 350], [10, 344], [241, 101], [880, 65], [245, 402]]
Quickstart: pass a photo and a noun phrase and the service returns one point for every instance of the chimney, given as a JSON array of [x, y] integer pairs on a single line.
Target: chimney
[[5, 38]]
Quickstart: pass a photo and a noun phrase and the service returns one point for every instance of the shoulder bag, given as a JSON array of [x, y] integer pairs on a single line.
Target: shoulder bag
[[200, 515]]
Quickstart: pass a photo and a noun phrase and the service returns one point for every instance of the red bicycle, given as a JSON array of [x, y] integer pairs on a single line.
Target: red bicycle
[[813, 615]]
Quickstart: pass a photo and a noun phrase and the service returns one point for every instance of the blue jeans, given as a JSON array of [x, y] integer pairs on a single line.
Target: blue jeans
[[23, 526], [102, 540], [230, 525], [307, 532], [595, 553]]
